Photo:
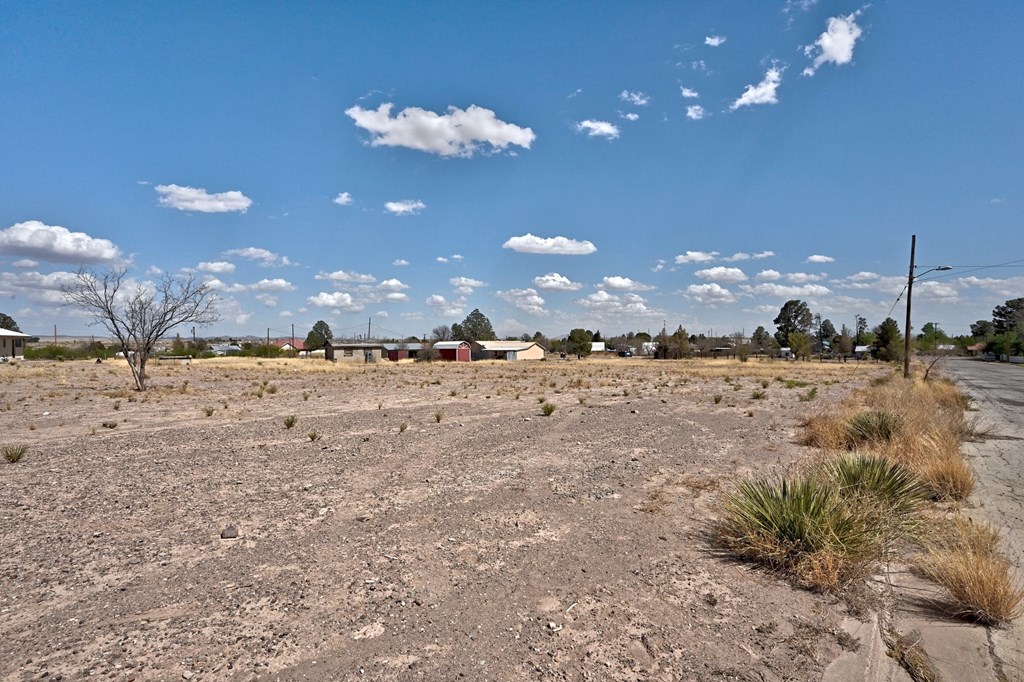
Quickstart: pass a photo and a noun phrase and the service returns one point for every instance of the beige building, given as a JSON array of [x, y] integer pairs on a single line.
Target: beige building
[[12, 344], [508, 350]]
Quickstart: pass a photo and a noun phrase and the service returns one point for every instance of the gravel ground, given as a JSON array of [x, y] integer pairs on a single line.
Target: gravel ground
[[439, 527]]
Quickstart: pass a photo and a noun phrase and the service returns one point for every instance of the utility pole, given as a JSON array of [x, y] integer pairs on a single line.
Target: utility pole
[[293, 335], [910, 290], [55, 336], [368, 321]]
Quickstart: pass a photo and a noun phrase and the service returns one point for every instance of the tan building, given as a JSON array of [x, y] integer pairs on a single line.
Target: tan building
[[508, 350], [12, 344]]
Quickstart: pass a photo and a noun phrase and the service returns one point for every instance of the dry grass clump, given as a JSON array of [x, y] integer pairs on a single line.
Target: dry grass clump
[[13, 452], [827, 528], [965, 560]]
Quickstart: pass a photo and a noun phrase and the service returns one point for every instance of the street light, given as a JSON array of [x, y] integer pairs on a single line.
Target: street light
[[910, 288]]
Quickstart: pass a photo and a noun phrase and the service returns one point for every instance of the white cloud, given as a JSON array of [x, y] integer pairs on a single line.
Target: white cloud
[[404, 207], [714, 41], [696, 257], [340, 300], [768, 275], [598, 129], [444, 307], [55, 244], [343, 199], [820, 259], [526, 300], [267, 300], [688, 93], [382, 314], [220, 267], [863, 276], [803, 277], [836, 44], [392, 285], [276, 284], [695, 112], [659, 265], [624, 284], [556, 282], [638, 98], [763, 92], [760, 255], [631, 116], [722, 274], [456, 133], [399, 262], [25, 263], [465, 285], [710, 294], [456, 256], [396, 296], [618, 305], [345, 276], [699, 65], [198, 199], [1009, 287], [441, 259], [784, 291], [802, 5], [264, 257], [736, 257], [562, 246]]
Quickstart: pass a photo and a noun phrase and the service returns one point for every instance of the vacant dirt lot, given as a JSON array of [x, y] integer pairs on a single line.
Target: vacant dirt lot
[[438, 527]]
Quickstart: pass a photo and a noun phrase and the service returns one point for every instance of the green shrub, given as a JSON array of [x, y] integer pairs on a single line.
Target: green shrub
[[717, 398], [873, 426], [290, 421], [313, 436], [547, 409], [809, 395], [208, 411], [759, 395], [14, 452], [438, 416]]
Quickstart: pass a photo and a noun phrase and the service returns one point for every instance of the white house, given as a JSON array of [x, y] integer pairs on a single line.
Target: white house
[[12, 344]]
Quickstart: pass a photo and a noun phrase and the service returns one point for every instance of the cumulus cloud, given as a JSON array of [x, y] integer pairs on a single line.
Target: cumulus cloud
[[526, 300], [820, 259], [863, 276], [688, 93], [219, 267], [711, 294], [459, 133], [345, 277], [556, 282], [340, 300], [638, 98], [396, 296], [696, 257], [623, 284], [404, 207], [768, 275], [736, 257], [618, 305], [392, 285], [25, 263], [722, 274], [659, 265], [441, 259], [276, 284], [598, 129], [399, 262], [695, 112], [785, 291], [714, 41], [343, 199], [198, 199], [267, 300], [55, 244], [760, 255], [444, 307], [803, 277], [836, 44], [465, 285], [762, 93], [631, 116], [1009, 287], [561, 246], [264, 257]]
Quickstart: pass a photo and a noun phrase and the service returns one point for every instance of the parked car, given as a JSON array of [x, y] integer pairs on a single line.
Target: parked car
[[625, 353]]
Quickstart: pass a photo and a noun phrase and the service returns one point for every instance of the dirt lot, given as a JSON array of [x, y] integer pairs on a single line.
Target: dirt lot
[[440, 526]]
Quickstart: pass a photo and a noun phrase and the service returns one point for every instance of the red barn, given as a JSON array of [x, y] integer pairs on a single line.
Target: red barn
[[453, 351]]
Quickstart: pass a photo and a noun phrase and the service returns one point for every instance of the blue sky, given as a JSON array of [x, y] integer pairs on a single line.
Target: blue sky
[[604, 165]]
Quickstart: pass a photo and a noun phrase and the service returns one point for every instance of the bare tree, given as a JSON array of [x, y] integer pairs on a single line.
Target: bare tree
[[441, 332], [136, 315]]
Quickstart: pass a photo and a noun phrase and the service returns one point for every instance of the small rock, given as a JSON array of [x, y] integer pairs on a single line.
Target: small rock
[[363, 518], [229, 533], [187, 675], [634, 412]]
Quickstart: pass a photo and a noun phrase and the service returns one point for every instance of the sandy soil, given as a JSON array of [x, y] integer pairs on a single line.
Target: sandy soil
[[440, 527]]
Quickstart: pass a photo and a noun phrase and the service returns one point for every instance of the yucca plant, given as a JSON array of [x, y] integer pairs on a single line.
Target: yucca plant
[[14, 452], [873, 426]]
